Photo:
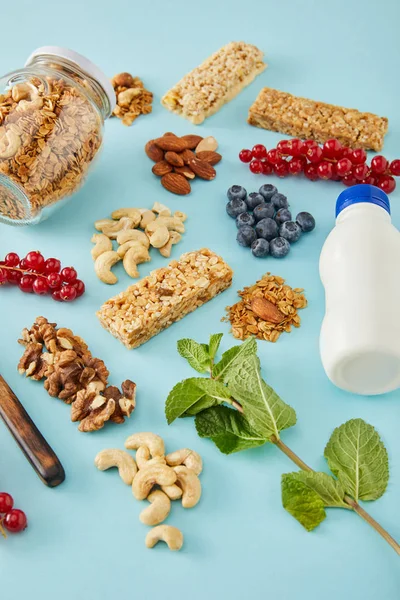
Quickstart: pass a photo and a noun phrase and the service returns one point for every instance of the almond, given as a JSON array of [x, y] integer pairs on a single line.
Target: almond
[[208, 156], [185, 171], [266, 310], [162, 168], [169, 133], [202, 169], [174, 159], [176, 183], [192, 140], [156, 154], [187, 155], [170, 143], [207, 144]]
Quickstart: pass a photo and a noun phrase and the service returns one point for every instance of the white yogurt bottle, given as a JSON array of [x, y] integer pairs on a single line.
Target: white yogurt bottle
[[360, 271]]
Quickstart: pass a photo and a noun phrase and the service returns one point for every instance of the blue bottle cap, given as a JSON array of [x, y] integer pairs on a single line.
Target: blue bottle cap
[[362, 192]]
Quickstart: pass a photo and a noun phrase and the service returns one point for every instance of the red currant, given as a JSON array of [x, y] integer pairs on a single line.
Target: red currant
[[245, 155], [80, 287], [6, 502], [68, 293], [13, 277], [325, 170], [54, 280], [349, 179], [358, 156], [295, 166], [346, 152], [12, 259], [335, 175], [343, 166], [26, 283], [387, 183], [307, 145], [35, 261], [371, 179], [274, 156], [296, 147], [56, 295], [69, 274], [259, 151], [281, 169], [23, 265], [311, 172], [255, 166], [332, 148], [314, 154], [40, 286], [3, 275], [379, 164], [267, 168], [361, 171], [52, 265], [394, 167], [284, 147], [15, 521]]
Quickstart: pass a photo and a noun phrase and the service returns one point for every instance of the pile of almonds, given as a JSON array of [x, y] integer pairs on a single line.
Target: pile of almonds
[[180, 159]]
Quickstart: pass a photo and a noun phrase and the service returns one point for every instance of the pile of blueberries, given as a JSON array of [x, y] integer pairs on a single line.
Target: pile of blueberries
[[264, 220]]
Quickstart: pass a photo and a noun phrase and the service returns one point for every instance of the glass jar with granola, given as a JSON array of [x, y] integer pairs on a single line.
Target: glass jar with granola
[[52, 114]]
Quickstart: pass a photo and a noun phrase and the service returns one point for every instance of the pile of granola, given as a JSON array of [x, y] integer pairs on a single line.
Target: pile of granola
[[49, 135], [132, 98], [266, 309], [71, 373]]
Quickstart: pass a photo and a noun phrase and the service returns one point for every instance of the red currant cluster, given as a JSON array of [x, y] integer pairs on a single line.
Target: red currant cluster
[[12, 519], [330, 161], [34, 274]]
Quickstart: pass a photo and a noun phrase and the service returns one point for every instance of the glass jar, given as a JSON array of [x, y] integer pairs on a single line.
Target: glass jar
[[52, 114]]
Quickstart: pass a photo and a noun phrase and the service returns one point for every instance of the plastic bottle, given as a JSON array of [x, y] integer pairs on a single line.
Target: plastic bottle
[[360, 271]]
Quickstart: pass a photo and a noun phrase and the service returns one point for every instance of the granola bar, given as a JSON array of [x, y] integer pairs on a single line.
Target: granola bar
[[165, 296], [308, 119], [219, 79]]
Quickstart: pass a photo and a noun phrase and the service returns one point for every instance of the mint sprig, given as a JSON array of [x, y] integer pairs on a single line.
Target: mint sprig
[[238, 410]]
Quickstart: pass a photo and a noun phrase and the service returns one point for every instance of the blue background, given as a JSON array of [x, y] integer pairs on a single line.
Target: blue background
[[84, 538]]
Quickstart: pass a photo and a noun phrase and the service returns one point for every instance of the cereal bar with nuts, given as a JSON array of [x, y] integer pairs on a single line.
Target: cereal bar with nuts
[[309, 119], [219, 79], [165, 296]]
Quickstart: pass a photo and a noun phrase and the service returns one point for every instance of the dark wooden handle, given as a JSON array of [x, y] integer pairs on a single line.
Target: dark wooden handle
[[28, 437]]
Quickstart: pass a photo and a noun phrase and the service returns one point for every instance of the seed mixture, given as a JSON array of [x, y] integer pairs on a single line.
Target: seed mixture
[[266, 309], [132, 98]]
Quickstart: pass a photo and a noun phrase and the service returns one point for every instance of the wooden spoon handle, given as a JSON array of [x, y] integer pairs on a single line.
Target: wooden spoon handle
[[28, 437]]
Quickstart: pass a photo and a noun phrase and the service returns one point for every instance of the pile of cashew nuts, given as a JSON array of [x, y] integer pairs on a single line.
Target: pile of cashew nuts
[[135, 230], [175, 475]]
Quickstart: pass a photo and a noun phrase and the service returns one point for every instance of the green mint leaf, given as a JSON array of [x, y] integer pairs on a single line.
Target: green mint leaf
[[214, 343], [302, 502], [232, 358], [265, 411], [196, 354], [192, 395], [357, 456], [228, 429], [329, 489], [204, 403]]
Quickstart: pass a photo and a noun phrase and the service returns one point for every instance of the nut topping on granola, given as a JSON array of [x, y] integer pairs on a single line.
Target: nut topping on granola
[[132, 98]]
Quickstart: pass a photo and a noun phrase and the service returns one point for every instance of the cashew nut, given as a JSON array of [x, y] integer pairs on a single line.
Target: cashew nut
[[9, 143], [133, 234], [112, 457], [132, 213], [151, 475], [171, 223], [143, 458], [161, 209], [153, 442], [174, 238], [112, 230], [122, 250], [34, 104], [180, 215], [186, 456], [158, 510], [147, 217], [173, 492], [190, 484], [103, 244], [20, 91], [172, 536], [101, 223], [160, 237], [103, 264], [136, 255]]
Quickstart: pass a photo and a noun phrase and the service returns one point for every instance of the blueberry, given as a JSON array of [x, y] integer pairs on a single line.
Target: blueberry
[[279, 201], [306, 221], [283, 215], [236, 207], [291, 231], [236, 191], [260, 248], [267, 191], [267, 229], [246, 236], [245, 218], [279, 247], [264, 211], [254, 200]]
